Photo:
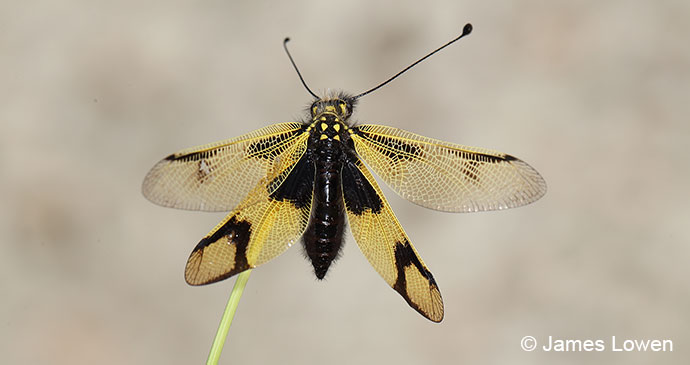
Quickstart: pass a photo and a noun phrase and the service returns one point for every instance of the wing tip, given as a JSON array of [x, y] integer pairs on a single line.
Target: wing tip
[[433, 309]]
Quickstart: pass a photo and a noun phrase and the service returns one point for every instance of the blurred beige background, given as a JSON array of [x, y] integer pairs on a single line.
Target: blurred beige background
[[593, 94]]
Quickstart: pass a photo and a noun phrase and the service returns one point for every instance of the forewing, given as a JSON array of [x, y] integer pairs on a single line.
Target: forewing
[[384, 243], [217, 176], [263, 226], [446, 176]]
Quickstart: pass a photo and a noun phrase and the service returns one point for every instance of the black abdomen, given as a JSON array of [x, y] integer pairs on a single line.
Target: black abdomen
[[324, 234]]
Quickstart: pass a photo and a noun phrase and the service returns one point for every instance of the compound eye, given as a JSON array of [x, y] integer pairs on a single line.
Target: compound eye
[[343, 108]]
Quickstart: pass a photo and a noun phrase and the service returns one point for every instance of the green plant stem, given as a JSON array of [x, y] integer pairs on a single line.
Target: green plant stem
[[228, 315]]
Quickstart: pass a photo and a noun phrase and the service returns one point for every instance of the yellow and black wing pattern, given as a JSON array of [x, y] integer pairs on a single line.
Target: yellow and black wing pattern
[[273, 214], [302, 180], [445, 176], [384, 243]]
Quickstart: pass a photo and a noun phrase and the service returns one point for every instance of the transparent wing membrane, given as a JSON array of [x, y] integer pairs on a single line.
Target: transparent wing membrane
[[446, 176], [217, 176]]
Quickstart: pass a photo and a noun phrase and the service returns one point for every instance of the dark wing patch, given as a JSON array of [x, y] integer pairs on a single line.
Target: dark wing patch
[[225, 251], [359, 194], [408, 264], [297, 187]]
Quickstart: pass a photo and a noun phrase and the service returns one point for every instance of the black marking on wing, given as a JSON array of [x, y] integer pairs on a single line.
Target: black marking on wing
[[404, 257], [410, 151], [472, 162], [298, 185], [483, 157], [258, 149], [408, 148], [238, 233], [359, 194], [193, 156]]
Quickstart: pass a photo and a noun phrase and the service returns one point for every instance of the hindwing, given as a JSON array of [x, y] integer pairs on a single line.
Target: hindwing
[[446, 176], [384, 243], [261, 227]]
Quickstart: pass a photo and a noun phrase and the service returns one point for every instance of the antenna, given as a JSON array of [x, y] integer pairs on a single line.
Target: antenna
[[467, 29], [287, 39]]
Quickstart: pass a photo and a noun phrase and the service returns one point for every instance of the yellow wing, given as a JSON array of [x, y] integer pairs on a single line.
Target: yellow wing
[[261, 227], [384, 243], [217, 176], [446, 176]]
